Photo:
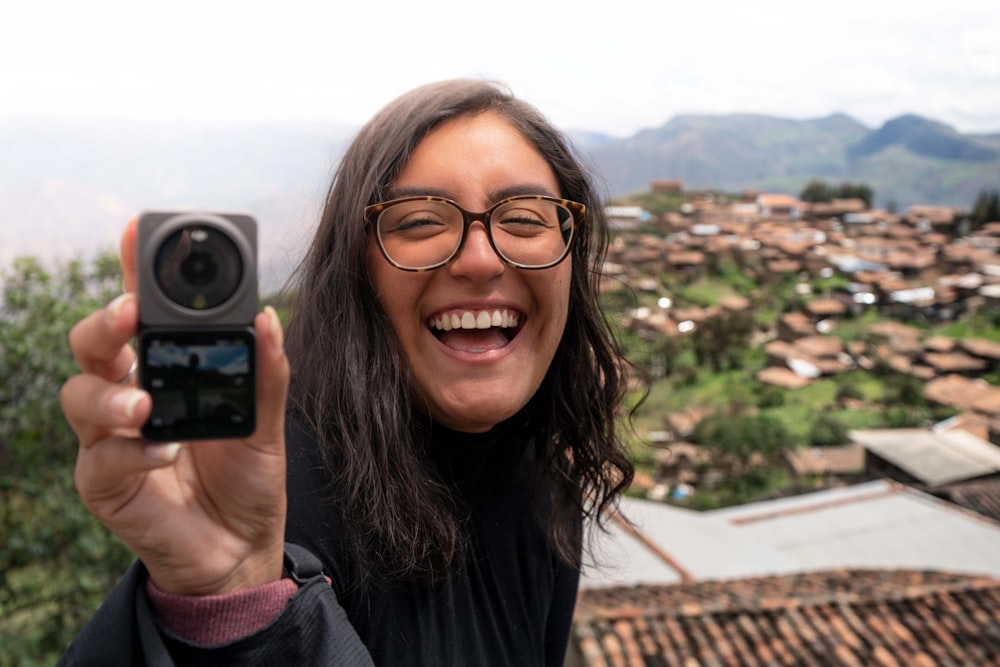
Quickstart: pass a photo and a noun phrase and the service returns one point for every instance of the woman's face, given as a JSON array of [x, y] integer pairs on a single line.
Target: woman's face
[[470, 378]]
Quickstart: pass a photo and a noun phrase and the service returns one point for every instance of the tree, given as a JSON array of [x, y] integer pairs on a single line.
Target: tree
[[56, 561], [665, 352], [848, 391], [818, 190], [737, 444], [985, 209], [722, 339], [827, 430], [856, 191], [902, 389], [815, 191]]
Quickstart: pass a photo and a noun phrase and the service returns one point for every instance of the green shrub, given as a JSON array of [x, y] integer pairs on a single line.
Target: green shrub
[[828, 430], [57, 562]]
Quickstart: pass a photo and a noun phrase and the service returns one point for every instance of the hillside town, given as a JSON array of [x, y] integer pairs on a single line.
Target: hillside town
[[920, 265], [892, 560]]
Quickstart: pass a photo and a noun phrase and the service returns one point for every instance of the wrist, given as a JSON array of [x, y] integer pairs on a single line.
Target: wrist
[[254, 572], [257, 569]]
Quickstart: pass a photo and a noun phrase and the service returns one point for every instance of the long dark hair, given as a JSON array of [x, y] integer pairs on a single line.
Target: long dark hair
[[351, 384]]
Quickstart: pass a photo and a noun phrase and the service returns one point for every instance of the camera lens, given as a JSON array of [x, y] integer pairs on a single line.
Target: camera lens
[[198, 267]]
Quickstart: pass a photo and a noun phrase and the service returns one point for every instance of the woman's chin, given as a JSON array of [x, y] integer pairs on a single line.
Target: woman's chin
[[476, 417]]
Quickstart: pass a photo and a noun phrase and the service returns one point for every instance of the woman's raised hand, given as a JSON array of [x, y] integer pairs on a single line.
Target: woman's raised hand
[[204, 517]]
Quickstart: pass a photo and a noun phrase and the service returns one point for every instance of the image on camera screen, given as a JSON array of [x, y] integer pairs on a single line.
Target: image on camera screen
[[202, 384]]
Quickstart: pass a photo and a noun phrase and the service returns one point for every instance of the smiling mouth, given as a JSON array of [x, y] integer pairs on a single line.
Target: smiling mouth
[[476, 330]]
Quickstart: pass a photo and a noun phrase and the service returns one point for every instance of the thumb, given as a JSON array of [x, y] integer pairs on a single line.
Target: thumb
[[127, 251]]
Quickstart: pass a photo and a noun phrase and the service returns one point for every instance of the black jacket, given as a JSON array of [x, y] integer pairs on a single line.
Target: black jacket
[[312, 630], [509, 603]]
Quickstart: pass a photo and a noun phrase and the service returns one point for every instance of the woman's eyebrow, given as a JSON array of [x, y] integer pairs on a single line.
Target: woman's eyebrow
[[518, 190], [495, 195], [397, 193]]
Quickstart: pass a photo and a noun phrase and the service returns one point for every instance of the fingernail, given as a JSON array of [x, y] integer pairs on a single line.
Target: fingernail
[[165, 453], [276, 332], [124, 402], [114, 308]]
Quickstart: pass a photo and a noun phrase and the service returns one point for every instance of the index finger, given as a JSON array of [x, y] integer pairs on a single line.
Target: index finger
[[99, 342], [127, 253]]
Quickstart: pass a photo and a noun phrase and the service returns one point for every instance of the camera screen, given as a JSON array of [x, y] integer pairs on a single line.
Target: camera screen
[[202, 384]]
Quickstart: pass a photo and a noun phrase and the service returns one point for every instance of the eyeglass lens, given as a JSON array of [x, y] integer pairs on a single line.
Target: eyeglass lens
[[425, 233]]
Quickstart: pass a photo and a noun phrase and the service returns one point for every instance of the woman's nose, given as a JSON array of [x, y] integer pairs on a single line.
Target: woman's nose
[[476, 258]]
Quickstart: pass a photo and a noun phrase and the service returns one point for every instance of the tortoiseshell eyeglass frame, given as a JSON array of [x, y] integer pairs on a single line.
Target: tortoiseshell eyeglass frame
[[577, 210]]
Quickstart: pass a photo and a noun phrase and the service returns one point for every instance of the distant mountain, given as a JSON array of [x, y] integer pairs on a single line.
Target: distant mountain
[[909, 160], [66, 187], [923, 137], [587, 141], [728, 152]]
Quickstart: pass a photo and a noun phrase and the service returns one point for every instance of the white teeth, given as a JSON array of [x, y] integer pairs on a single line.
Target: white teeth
[[482, 319]]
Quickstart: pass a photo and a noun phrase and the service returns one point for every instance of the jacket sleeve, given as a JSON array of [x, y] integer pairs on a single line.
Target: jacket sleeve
[[313, 629]]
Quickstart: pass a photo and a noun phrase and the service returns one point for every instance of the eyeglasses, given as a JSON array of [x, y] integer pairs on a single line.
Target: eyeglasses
[[424, 233]]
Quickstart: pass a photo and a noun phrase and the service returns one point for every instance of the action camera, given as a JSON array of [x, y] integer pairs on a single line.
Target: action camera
[[197, 287]]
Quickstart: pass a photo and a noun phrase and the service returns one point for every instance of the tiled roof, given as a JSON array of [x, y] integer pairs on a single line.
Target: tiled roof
[[773, 200], [782, 377], [954, 362], [981, 496], [981, 347], [797, 324], [735, 303], [964, 394], [820, 346], [939, 344], [933, 214], [837, 617], [894, 330], [839, 459], [826, 307]]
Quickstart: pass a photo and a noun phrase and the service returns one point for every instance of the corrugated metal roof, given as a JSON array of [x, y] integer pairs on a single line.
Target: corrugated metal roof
[[623, 560], [934, 458], [704, 548], [874, 525], [900, 528]]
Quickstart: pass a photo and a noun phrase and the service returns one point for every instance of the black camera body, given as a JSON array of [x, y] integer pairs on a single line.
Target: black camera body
[[198, 296]]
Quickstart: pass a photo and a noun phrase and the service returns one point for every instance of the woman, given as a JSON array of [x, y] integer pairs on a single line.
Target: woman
[[450, 423]]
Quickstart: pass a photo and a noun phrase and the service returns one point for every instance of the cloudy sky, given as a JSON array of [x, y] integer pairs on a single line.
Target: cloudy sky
[[614, 67]]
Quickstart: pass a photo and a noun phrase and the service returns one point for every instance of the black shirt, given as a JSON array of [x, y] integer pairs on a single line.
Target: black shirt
[[509, 602]]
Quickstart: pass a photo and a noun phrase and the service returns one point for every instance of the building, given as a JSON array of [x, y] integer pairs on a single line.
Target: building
[[876, 573], [779, 206]]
